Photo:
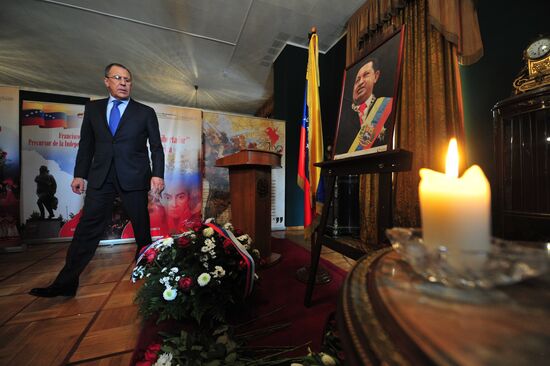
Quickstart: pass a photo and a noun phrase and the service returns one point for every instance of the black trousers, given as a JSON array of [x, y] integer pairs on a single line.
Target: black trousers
[[96, 215]]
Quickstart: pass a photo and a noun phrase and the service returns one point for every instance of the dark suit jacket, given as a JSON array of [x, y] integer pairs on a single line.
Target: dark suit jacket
[[127, 149], [348, 127]]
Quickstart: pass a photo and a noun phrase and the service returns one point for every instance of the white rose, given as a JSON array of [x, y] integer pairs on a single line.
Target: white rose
[[208, 232], [170, 294], [203, 279], [327, 360]]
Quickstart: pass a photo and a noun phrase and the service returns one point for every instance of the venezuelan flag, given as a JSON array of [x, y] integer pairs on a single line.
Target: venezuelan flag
[[311, 142], [55, 116], [32, 114], [55, 120]]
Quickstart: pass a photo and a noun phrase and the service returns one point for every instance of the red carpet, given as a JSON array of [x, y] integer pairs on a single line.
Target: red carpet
[[279, 288]]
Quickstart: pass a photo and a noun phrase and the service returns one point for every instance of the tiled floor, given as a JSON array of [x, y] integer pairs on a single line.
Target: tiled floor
[[99, 326]]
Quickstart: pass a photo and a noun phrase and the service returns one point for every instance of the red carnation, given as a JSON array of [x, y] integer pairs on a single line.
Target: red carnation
[[151, 354], [185, 283], [155, 347], [144, 363], [197, 226], [184, 242], [150, 255]]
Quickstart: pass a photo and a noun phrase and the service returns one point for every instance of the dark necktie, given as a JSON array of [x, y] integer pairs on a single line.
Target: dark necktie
[[114, 117]]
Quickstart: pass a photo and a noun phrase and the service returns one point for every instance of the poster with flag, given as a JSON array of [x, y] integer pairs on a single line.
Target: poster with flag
[[311, 142], [50, 134]]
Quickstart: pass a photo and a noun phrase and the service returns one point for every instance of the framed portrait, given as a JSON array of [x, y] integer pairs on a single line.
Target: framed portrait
[[368, 99]]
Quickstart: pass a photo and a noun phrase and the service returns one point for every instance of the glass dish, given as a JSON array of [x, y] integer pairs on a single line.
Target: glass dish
[[506, 263]]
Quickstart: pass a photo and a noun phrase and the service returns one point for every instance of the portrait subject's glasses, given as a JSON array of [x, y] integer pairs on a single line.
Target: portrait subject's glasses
[[119, 78]]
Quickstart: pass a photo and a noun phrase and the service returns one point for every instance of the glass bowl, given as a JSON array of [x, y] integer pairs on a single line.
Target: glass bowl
[[506, 263]]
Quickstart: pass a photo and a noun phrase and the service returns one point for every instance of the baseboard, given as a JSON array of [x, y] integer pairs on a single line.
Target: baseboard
[[46, 240], [14, 246], [291, 228], [68, 239]]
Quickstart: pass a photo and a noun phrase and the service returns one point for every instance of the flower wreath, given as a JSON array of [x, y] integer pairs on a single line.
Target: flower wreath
[[195, 275]]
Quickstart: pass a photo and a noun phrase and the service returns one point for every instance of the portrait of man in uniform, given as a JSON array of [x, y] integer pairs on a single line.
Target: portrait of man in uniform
[[367, 108]]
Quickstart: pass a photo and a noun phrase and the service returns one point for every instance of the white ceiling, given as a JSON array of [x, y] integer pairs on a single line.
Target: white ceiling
[[225, 47]]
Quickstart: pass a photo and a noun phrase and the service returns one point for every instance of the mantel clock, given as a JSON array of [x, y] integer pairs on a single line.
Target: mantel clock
[[536, 72]]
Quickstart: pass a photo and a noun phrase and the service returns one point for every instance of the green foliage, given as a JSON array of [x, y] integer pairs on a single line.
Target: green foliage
[[222, 347]]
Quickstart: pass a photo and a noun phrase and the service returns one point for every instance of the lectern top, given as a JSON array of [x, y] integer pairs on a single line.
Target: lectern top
[[251, 157]]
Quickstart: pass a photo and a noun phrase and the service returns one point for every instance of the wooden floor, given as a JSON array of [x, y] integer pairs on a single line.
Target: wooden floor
[[99, 326]]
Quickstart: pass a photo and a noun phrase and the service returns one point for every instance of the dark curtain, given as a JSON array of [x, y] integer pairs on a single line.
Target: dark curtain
[[429, 108]]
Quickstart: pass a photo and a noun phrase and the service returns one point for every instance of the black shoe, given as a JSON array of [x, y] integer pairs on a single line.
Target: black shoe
[[53, 291]]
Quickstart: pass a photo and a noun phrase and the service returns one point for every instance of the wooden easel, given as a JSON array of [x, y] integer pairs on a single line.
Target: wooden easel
[[383, 163]]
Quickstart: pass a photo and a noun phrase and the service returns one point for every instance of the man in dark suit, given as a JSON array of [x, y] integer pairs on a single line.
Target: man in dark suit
[[112, 156]]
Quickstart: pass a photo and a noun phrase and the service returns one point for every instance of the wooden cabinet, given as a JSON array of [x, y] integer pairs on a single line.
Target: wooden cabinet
[[521, 198]]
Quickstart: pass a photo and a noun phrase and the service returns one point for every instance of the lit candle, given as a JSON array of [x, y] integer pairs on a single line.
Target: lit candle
[[456, 212]]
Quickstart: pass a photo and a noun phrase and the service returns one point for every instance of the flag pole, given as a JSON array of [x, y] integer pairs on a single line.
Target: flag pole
[[304, 172]]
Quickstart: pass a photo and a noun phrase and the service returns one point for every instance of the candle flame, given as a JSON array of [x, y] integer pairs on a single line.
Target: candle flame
[[451, 167]]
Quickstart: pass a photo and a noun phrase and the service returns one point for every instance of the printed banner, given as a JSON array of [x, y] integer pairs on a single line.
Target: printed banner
[[9, 165], [180, 204], [50, 134], [225, 134]]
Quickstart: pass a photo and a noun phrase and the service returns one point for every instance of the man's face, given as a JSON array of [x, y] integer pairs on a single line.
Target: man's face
[[364, 83], [121, 88], [176, 202]]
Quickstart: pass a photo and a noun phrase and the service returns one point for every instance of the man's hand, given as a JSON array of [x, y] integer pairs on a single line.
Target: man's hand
[[78, 185], [157, 185]]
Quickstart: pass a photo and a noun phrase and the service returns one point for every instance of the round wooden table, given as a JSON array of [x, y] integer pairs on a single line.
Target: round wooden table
[[388, 314]]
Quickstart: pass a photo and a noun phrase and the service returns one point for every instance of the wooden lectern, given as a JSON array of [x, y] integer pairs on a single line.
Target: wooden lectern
[[250, 191]]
